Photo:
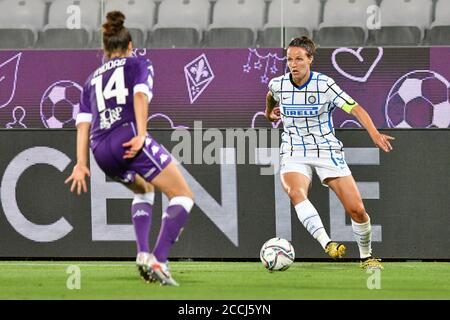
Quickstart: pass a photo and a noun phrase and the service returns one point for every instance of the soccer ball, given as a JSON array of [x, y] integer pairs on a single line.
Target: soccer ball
[[419, 99], [277, 254], [60, 104]]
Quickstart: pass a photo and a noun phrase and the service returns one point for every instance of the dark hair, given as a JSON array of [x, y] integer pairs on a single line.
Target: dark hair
[[115, 36], [305, 43]]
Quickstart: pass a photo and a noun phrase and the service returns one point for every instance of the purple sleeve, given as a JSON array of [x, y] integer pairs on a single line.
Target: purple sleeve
[[144, 79], [85, 114]]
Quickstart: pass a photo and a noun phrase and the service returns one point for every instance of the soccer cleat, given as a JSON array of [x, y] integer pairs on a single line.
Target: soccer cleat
[[335, 250], [371, 263], [143, 266], [160, 271]]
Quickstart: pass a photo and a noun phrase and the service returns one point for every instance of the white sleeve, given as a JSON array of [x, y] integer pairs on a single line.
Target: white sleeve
[[83, 117], [144, 88], [339, 97]]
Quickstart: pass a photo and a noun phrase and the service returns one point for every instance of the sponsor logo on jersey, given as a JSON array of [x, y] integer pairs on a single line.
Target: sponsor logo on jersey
[[109, 116], [300, 111]]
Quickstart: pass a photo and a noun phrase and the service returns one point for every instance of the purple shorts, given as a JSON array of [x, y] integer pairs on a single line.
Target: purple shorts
[[148, 163]]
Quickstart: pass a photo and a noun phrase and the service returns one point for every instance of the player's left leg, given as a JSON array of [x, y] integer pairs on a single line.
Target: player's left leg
[[347, 191], [141, 210]]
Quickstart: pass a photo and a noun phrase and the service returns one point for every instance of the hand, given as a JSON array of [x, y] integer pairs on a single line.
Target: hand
[[134, 145], [274, 115], [77, 177], [382, 141]]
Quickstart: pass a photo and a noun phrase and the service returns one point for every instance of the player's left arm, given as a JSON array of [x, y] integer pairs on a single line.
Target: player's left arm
[[381, 140], [342, 100]]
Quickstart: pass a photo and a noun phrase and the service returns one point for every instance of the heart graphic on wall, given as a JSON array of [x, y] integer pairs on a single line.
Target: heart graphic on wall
[[357, 54]]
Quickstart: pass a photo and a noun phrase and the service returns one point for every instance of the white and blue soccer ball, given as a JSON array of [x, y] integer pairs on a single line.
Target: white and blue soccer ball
[[60, 104], [277, 254], [419, 99]]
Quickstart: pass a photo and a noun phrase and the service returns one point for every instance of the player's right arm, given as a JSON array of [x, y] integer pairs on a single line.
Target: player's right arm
[[272, 111], [81, 170], [142, 95], [141, 114]]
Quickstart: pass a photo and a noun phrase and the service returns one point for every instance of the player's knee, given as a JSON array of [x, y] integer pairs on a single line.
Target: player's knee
[[357, 212], [180, 192], [148, 187], [297, 195], [189, 194]]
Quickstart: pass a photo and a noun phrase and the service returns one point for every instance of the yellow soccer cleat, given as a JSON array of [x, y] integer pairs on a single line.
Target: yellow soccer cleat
[[335, 250], [371, 264]]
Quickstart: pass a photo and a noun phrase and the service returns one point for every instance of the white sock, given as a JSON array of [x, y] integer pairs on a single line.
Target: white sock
[[363, 235], [148, 197], [310, 219]]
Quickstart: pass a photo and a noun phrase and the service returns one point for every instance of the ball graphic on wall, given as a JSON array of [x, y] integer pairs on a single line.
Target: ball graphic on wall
[[60, 104], [419, 99]]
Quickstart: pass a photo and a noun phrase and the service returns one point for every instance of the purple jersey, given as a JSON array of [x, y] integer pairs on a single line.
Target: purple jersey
[[107, 98], [107, 103]]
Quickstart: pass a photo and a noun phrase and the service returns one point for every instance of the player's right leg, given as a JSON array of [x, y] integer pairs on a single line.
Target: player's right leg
[[154, 165], [296, 184]]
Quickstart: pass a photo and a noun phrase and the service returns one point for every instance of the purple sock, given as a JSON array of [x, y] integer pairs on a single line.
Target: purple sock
[[174, 219], [142, 220]]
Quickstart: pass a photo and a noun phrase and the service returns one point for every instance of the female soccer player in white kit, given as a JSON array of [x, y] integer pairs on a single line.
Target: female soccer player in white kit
[[306, 100]]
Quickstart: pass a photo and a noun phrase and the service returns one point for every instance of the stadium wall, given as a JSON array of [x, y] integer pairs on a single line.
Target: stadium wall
[[238, 205], [400, 87]]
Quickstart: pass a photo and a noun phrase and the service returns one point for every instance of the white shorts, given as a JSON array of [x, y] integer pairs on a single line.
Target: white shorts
[[325, 167]]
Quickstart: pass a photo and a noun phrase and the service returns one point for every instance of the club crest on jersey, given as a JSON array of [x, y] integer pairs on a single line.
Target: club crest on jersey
[[109, 116], [312, 99], [300, 111]]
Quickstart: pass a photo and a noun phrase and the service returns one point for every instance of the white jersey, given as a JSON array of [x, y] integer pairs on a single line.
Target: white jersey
[[306, 114]]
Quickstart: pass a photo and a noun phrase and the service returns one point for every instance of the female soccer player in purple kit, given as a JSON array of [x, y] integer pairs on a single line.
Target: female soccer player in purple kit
[[114, 112]]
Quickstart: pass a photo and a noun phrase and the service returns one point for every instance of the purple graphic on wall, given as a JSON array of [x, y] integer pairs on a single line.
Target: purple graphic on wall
[[8, 79], [198, 75], [267, 63], [60, 104], [228, 87], [18, 115], [162, 116], [419, 99], [358, 55]]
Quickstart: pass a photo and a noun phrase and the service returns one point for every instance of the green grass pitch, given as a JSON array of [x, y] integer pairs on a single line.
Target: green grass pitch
[[225, 280]]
